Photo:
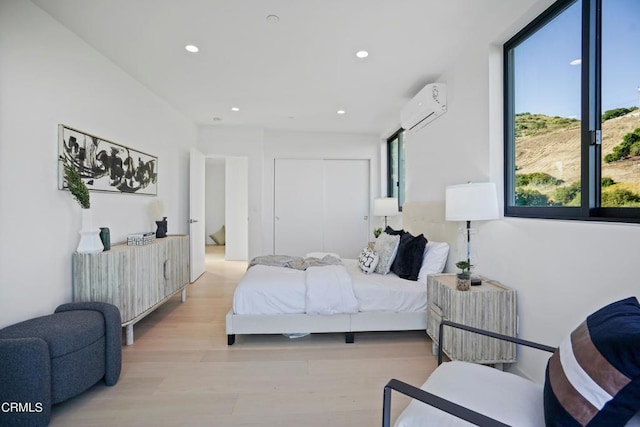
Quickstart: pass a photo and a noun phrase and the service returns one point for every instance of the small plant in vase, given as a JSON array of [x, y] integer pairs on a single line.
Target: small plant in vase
[[464, 277], [89, 237], [377, 232]]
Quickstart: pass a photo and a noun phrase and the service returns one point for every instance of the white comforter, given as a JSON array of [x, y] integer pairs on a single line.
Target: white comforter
[[276, 290], [329, 291]]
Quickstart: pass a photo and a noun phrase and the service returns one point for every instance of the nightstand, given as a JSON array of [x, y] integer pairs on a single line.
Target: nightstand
[[490, 306]]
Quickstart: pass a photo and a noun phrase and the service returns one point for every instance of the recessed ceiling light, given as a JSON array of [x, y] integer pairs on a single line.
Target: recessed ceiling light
[[341, 111], [362, 54], [235, 109], [273, 19], [191, 48]]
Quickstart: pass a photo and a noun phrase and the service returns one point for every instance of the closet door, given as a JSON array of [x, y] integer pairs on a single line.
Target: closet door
[[321, 205], [298, 206], [346, 208]]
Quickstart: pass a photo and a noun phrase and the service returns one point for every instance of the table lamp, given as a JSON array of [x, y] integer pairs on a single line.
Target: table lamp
[[474, 201], [386, 206]]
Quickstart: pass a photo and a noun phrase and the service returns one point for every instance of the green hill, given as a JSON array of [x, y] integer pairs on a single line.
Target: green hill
[[548, 160]]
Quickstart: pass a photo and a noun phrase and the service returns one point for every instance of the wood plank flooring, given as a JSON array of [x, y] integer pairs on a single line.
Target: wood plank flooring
[[180, 371]]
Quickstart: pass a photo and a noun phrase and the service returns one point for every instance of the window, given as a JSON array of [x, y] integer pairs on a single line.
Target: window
[[395, 167], [572, 123]]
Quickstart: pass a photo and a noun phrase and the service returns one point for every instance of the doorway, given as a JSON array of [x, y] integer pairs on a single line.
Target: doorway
[[226, 205]]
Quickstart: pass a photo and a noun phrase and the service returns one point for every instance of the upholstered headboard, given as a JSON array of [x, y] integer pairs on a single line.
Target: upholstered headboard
[[428, 218]]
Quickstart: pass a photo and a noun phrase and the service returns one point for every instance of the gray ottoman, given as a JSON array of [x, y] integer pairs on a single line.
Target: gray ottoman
[[52, 358]]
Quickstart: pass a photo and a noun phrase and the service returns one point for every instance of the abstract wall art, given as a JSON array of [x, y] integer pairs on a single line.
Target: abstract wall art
[[105, 165]]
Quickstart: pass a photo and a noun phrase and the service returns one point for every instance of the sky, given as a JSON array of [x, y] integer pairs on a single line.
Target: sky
[[548, 63]]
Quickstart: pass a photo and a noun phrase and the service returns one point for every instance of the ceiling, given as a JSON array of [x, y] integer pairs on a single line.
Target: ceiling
[[294, 74]]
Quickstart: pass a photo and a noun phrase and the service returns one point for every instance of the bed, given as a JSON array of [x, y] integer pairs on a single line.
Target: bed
[[274, 299]]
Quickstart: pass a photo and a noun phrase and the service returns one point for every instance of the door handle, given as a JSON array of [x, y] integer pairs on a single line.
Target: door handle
[[191, 221]]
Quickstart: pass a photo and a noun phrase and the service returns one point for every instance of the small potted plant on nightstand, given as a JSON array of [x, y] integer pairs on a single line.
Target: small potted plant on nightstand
[[464, 277], [377, 232]]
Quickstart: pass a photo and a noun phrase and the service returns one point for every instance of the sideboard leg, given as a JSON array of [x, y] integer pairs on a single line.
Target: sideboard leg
[[183, 295]]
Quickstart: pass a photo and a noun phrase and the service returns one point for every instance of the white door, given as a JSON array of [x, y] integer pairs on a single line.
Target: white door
[[346, 207], [321, 205], [298, 206], [196, 214]]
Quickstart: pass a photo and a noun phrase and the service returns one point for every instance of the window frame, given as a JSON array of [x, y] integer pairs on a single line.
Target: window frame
[[590, 127], [399, 135]]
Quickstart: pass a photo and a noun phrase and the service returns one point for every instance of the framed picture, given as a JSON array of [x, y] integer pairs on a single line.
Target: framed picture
[[105, 165]]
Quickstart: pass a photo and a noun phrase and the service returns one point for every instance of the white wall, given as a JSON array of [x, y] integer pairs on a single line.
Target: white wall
[[49, 76], [561, 270], [262, 147], [214, 196], [237, 208]]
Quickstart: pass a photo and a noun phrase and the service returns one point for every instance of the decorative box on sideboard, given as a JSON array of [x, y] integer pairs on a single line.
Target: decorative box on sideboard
[[136, 279], [490, 306]]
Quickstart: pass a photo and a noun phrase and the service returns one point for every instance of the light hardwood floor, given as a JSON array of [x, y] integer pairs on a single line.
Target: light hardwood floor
[[180, 371]]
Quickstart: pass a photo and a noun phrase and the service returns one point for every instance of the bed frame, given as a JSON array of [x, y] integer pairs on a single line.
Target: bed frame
[[427, 218], [314, 323]]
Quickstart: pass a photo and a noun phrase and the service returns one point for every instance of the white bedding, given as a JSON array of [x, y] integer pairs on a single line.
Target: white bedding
[[329, 291], [278, 290], [386, 292]]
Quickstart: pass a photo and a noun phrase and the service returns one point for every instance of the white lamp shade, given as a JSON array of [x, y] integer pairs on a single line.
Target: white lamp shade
[[387, 206], [475, 201]]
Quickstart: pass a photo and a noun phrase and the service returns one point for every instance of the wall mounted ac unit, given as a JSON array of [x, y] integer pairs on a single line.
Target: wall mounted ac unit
[[429, 104]]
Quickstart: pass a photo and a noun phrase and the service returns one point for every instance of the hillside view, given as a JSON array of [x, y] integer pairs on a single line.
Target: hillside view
[[548, 159]]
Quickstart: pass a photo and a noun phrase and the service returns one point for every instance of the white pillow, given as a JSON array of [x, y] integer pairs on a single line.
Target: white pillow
[[368, 260], [433, 260], [386, 247]]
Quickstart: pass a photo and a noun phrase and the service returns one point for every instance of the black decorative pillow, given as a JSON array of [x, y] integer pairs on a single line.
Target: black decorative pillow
[[393, 232], [409, 258], [368, 260], [594, 377]]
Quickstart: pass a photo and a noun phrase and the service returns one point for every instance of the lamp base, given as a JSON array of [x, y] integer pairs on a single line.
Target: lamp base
[[476, 281]]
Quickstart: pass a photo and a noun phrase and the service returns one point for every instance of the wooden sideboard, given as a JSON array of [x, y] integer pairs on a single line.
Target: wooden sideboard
[[490, 306], [136, 279]]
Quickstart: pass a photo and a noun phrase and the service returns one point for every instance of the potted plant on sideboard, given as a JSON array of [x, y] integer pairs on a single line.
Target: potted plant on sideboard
[[464, 277]]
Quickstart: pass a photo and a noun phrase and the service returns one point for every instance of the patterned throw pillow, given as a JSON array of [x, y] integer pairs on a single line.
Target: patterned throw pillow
[[594, 377], [386, 247], [368, 260]]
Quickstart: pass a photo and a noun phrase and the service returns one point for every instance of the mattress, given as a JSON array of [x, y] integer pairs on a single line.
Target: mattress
[[277, 290]]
